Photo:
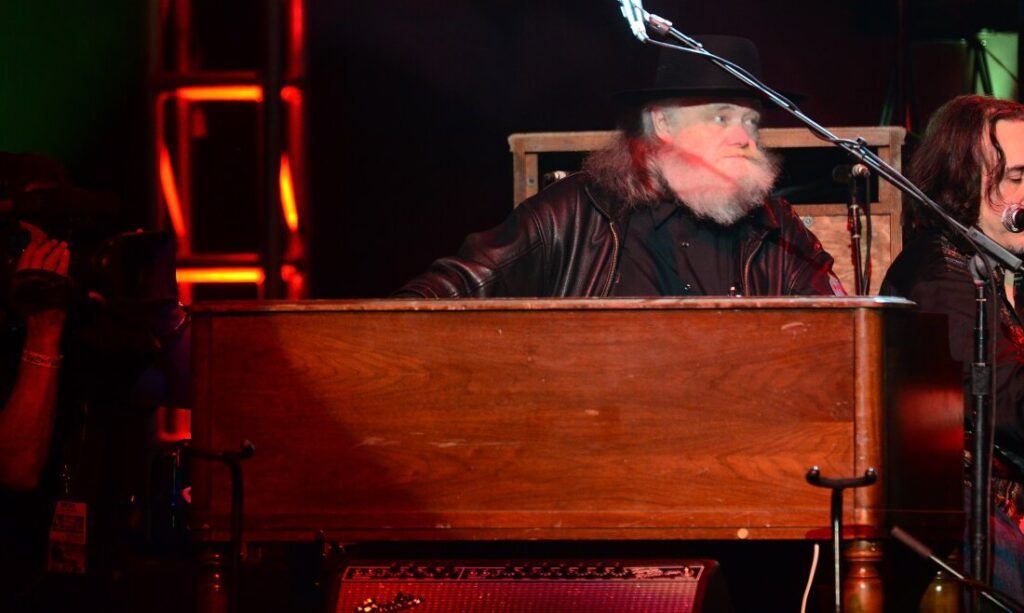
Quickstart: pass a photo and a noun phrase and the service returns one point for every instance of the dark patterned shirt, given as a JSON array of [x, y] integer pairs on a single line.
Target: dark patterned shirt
[[669, 252]]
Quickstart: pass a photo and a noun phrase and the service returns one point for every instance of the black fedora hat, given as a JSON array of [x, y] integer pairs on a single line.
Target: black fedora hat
[[687, 75]]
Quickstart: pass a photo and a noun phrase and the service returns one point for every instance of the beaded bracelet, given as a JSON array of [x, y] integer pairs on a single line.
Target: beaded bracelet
[[39, 359]]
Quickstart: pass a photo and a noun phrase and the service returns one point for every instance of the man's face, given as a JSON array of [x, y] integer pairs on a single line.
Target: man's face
[[711, 158], [719, 135], [1010, 135]]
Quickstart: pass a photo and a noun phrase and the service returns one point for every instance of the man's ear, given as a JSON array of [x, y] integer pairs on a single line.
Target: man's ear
[[662, 120]]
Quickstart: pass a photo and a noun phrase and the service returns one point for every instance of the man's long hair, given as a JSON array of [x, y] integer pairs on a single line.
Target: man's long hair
[[625, 168], [950, 160]]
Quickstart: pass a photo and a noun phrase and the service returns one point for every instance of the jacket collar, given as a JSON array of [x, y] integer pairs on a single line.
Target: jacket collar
[[611, 208], [766, 216]]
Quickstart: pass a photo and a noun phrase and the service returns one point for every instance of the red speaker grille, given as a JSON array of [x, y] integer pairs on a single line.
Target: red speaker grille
[[458, 588]]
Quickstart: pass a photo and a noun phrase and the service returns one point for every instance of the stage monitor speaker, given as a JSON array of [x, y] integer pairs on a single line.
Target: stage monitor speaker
[[529, 587]]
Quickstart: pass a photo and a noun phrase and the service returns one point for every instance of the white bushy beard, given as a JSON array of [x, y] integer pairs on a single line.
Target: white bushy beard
[[723, 194]]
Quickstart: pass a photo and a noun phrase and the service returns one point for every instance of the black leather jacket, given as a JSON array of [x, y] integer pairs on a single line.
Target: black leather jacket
[[566, 241], [932, 270]]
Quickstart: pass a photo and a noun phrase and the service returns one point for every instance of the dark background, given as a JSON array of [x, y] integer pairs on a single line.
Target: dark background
[[411, 101]]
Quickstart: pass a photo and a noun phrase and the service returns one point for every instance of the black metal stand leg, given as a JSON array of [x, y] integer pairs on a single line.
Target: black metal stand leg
[[233, 460], [1000, 599], [837, 486]]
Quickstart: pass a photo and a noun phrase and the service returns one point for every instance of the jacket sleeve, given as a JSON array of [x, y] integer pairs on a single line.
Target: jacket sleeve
[[808, 267], [507, 260]]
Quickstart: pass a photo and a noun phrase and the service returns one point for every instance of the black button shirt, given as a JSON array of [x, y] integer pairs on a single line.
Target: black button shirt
[[669, 252]]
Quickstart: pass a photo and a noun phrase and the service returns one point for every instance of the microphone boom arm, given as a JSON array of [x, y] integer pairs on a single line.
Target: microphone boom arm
[[857, 148]]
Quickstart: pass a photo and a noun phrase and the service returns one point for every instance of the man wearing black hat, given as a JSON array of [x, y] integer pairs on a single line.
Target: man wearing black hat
[[676, 205]]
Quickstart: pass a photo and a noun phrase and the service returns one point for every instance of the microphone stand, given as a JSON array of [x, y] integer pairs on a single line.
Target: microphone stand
[[982, 392], [854, 226], [983, 430]]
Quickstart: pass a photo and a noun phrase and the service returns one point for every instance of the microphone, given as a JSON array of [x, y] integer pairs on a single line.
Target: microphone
[[1013, 218], [633, 11], [844, 173]]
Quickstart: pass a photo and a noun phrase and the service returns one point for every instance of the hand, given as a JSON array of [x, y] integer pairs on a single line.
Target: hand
[[42, 253]]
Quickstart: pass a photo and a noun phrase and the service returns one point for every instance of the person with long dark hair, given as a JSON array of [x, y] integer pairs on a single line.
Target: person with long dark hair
[[971, 162]]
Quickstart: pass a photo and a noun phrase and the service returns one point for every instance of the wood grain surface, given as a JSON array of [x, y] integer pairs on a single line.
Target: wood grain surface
[[526, 419]]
